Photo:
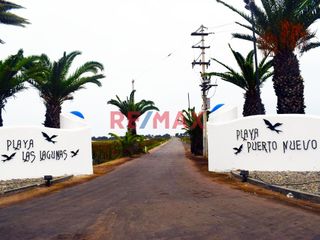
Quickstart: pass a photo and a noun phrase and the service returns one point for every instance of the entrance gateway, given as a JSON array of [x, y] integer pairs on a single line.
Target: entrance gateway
[[286, 142], [33, 152]]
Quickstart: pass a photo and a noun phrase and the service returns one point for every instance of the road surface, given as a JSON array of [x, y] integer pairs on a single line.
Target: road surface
[[158, 196]]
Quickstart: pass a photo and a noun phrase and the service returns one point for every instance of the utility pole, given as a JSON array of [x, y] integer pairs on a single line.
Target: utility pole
[[205, 80]]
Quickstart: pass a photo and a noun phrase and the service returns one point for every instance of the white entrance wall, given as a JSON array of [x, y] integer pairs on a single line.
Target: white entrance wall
[[286, 142], [31, 151]]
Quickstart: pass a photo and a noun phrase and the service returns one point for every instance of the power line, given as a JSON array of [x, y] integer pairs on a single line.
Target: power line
[[222, 25]]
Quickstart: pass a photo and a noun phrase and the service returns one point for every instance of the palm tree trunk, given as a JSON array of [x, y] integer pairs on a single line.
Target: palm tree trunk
[[1, 120], [198, 142], [53, 110], [288, 83], [132, 126], [253, 104]]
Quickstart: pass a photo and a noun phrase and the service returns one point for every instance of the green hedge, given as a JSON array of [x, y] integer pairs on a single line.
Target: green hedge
[[104, 151]]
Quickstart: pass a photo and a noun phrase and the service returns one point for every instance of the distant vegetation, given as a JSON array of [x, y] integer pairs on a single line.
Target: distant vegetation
[[148, 136], [107, 150]]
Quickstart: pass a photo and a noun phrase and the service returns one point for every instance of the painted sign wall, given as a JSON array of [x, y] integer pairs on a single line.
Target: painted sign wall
[[30, 152], [286, 142]]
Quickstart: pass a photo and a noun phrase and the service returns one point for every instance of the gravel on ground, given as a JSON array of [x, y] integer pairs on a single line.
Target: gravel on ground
[[8, 185], [308, 182]]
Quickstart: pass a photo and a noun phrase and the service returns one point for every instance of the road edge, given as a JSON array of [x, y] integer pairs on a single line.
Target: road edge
[[295, 193]]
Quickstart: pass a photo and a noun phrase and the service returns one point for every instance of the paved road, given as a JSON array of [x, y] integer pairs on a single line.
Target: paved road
[[158, 196]]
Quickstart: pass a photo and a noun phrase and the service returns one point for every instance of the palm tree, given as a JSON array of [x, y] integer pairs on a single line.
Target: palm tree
[[132, 110], [194, 129], [11, 77], [56, 84], [129, 143], [9, 18], [246, 80], [283, 27]]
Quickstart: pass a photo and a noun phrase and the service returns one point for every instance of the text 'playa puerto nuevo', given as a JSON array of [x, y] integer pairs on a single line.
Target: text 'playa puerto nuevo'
[[250, 138]]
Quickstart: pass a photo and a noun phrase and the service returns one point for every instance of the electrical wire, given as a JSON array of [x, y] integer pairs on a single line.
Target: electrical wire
[[198, 58], [226, 31], [215, 90], [222, 25]]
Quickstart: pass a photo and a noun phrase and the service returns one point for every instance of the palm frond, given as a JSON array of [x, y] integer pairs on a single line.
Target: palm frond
[[11, 75], [246, 78], [129, 106], [234, 78], [53, 81], [242, 14], [310, 46], [243, 36], [281, 25], [8, 18]]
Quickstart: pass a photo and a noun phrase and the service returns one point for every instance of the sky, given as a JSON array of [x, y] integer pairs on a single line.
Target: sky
[[145, 40]]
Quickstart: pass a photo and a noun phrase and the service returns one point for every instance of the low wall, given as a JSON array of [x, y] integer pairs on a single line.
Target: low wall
[[31, 152], [286, 142]]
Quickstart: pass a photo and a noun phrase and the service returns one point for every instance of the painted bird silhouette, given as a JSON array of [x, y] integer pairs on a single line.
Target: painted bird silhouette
[[49, 139], [238, 150], [74, 153], [8, 158], [272, 127]]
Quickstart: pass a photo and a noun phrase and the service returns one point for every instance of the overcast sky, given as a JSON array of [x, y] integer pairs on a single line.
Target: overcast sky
[[145, 40]]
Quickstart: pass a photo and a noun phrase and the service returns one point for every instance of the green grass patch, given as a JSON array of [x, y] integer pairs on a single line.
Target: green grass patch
[[185, 139]]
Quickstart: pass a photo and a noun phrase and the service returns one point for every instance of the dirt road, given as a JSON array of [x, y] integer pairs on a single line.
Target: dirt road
[[158, 196]]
